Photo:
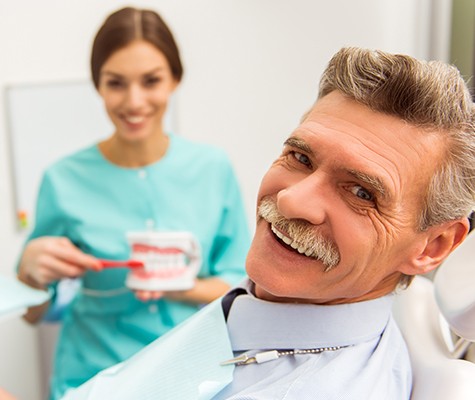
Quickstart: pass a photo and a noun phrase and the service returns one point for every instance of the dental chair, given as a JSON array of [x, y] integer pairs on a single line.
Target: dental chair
[[437, 320]]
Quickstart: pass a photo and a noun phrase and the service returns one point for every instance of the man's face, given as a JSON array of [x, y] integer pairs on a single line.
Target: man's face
[[352, 181]]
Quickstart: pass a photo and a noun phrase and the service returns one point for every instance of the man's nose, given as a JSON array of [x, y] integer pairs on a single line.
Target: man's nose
[[306, 199]]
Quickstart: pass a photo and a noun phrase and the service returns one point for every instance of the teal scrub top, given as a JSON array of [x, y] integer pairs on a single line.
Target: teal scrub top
[[94, 203]]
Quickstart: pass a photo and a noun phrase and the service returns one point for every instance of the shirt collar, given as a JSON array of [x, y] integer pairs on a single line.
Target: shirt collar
[[258, 324]]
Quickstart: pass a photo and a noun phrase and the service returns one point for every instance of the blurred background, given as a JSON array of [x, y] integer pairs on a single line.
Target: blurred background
[[251, 69]]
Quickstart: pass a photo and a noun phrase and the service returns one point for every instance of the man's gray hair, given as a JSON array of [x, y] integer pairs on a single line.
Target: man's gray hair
[[428, 94]]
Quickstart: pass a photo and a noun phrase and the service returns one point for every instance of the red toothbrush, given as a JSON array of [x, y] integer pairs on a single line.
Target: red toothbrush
[[121, 263]]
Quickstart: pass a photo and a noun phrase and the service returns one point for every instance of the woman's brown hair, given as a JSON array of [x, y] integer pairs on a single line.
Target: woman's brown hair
[[126, 25]]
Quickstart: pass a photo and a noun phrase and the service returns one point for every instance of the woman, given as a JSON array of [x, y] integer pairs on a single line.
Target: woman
[[139, 178]]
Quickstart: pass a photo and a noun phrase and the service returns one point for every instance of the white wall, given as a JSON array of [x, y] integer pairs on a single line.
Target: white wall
[[251, 70]]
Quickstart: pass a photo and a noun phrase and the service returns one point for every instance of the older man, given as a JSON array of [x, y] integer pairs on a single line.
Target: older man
[[372, 188]]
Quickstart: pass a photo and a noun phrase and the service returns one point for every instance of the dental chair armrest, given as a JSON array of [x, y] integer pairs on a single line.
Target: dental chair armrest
[[454, 285], [437, 376]]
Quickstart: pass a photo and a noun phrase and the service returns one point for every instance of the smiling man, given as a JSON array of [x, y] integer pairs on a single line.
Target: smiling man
[[339, 210], [373, 187]]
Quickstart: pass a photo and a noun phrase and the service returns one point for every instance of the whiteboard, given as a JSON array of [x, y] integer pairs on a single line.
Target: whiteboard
[[47, 122]]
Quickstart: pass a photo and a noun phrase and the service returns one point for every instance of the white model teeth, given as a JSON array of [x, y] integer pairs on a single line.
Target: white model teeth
[[134, 120], [292, 243], [158, 262]]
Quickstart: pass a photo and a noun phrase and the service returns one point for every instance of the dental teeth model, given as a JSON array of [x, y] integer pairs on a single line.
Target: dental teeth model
[[171, 260]]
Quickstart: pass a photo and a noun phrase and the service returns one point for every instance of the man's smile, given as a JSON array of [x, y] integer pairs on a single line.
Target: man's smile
[[293, 244]]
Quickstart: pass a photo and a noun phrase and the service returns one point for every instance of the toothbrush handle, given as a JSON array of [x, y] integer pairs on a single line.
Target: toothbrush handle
[[122, 263]]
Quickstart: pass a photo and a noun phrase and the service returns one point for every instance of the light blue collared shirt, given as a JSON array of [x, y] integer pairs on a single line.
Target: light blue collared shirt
[[373, 363]]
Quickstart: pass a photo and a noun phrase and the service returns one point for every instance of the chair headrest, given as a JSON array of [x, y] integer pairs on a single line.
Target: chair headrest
[[454, 286]]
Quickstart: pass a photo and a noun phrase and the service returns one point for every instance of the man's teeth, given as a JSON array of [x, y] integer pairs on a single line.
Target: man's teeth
[[292, 243], [134, 120]]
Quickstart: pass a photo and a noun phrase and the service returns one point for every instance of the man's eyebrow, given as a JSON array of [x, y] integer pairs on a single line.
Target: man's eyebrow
[[376, 183], [298, 143]]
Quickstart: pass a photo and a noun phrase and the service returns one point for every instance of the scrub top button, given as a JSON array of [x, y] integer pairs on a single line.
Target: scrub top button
[[142, 174]]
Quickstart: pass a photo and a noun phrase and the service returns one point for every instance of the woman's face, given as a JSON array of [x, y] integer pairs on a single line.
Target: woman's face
[[135, 83]]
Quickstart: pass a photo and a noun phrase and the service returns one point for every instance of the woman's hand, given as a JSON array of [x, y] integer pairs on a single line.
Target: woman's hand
[[4, 395], [48, 259], [204, 292]]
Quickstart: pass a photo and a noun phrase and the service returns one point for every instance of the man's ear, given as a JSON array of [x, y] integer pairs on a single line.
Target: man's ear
[[441, 240]]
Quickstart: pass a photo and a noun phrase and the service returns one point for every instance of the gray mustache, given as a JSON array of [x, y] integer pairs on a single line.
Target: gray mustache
[[303, 233]]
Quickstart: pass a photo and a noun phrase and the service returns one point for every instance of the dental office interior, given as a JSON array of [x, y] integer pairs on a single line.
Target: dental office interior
[[251, 69]]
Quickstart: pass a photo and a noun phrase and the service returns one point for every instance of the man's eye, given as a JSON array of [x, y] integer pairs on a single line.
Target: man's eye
[[362, 193], [301, 158]]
